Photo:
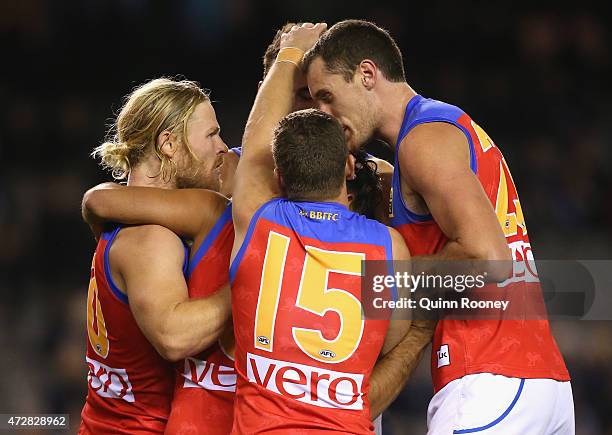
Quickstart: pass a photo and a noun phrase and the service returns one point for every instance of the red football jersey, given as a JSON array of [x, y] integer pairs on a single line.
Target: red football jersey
[[206, 383], [509, 347], [129, 384], [304, 352]]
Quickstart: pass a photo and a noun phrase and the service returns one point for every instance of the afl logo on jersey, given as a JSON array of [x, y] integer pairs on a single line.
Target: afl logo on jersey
[[263, 340], [327, 353]]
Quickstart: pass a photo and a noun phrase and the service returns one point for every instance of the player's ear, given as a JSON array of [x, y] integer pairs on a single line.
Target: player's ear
[[367, 73], [349, 168], [167, 143], [259, 84]]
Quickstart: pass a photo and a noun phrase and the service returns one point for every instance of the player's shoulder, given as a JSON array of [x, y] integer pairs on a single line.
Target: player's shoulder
[[395, 235], [429, 108], [218, 202], [143, 238], [428, 149], [432, 118], [400, 250], [145, 246], [433, 135], [212, 205]]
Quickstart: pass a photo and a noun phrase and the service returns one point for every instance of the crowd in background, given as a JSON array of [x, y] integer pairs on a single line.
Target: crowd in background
[[537, 80]]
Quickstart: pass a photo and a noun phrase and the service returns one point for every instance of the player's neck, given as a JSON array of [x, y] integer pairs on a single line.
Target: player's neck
[[145, 176], [396, 96], [341, 198]]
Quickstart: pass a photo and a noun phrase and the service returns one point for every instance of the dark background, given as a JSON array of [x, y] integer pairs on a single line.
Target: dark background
[[537, 80]]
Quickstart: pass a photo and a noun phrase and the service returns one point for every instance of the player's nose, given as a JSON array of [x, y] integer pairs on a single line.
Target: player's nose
[[221, 147]]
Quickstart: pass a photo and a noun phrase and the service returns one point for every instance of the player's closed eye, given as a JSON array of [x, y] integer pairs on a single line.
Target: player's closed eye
[[304, 94], [326, 98]]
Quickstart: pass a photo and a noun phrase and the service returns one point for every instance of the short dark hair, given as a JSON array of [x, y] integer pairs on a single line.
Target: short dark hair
[[269, 56], [310, 153], [344, 45]]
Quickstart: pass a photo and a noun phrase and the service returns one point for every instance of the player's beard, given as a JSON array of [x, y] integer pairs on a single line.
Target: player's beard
[[192, 175]]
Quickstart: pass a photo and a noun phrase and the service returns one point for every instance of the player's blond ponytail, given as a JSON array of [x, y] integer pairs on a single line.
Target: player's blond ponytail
[[158, 105]]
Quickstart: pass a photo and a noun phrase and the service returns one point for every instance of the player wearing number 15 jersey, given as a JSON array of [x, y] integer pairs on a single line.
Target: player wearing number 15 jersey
[[304, 352]]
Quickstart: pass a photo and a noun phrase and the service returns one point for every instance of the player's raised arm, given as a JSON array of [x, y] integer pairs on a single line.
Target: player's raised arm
[[228, 171], [403, 347], [255, 182], [186, 212], [434, 159], [175, 325]]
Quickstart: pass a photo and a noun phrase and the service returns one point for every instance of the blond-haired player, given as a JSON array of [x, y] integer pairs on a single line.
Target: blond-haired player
[[139, 315]]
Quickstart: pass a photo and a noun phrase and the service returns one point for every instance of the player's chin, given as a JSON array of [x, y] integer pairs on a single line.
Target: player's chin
[[216, 179]]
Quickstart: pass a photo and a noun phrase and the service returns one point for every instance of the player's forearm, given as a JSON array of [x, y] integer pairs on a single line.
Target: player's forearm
[[93, 206], [194, 325], [273, 102], [393, 370], [494, 262], [183, 211]]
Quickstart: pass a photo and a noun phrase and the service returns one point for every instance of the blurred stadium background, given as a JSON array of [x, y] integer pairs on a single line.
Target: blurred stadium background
[[537, 79]]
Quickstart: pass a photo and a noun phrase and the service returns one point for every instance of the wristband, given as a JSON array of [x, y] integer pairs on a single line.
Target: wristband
[[290, 54]]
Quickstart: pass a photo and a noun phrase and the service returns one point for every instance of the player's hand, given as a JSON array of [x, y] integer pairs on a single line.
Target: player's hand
[[303, 36]]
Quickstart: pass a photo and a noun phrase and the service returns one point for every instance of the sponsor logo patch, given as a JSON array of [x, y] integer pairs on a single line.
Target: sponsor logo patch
[[208, 375], [443, 356], [307, 384], [109, 382]]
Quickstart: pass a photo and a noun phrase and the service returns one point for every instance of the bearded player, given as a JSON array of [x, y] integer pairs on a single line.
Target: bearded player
[[453, 198], [297, 256], [138, 312]]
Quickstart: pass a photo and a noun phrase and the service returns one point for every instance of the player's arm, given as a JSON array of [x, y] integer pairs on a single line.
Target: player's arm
[[149, 261], [228, 171], [254, 182], [403, 347], [434, 160], [186, 212], [393, 370]]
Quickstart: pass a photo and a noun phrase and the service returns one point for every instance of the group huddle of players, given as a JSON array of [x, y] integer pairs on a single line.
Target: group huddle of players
[[207, 315]]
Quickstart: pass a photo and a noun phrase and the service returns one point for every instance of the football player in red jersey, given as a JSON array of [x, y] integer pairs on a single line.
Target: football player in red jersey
[[138, 311], [289, 380], [453, 198]]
